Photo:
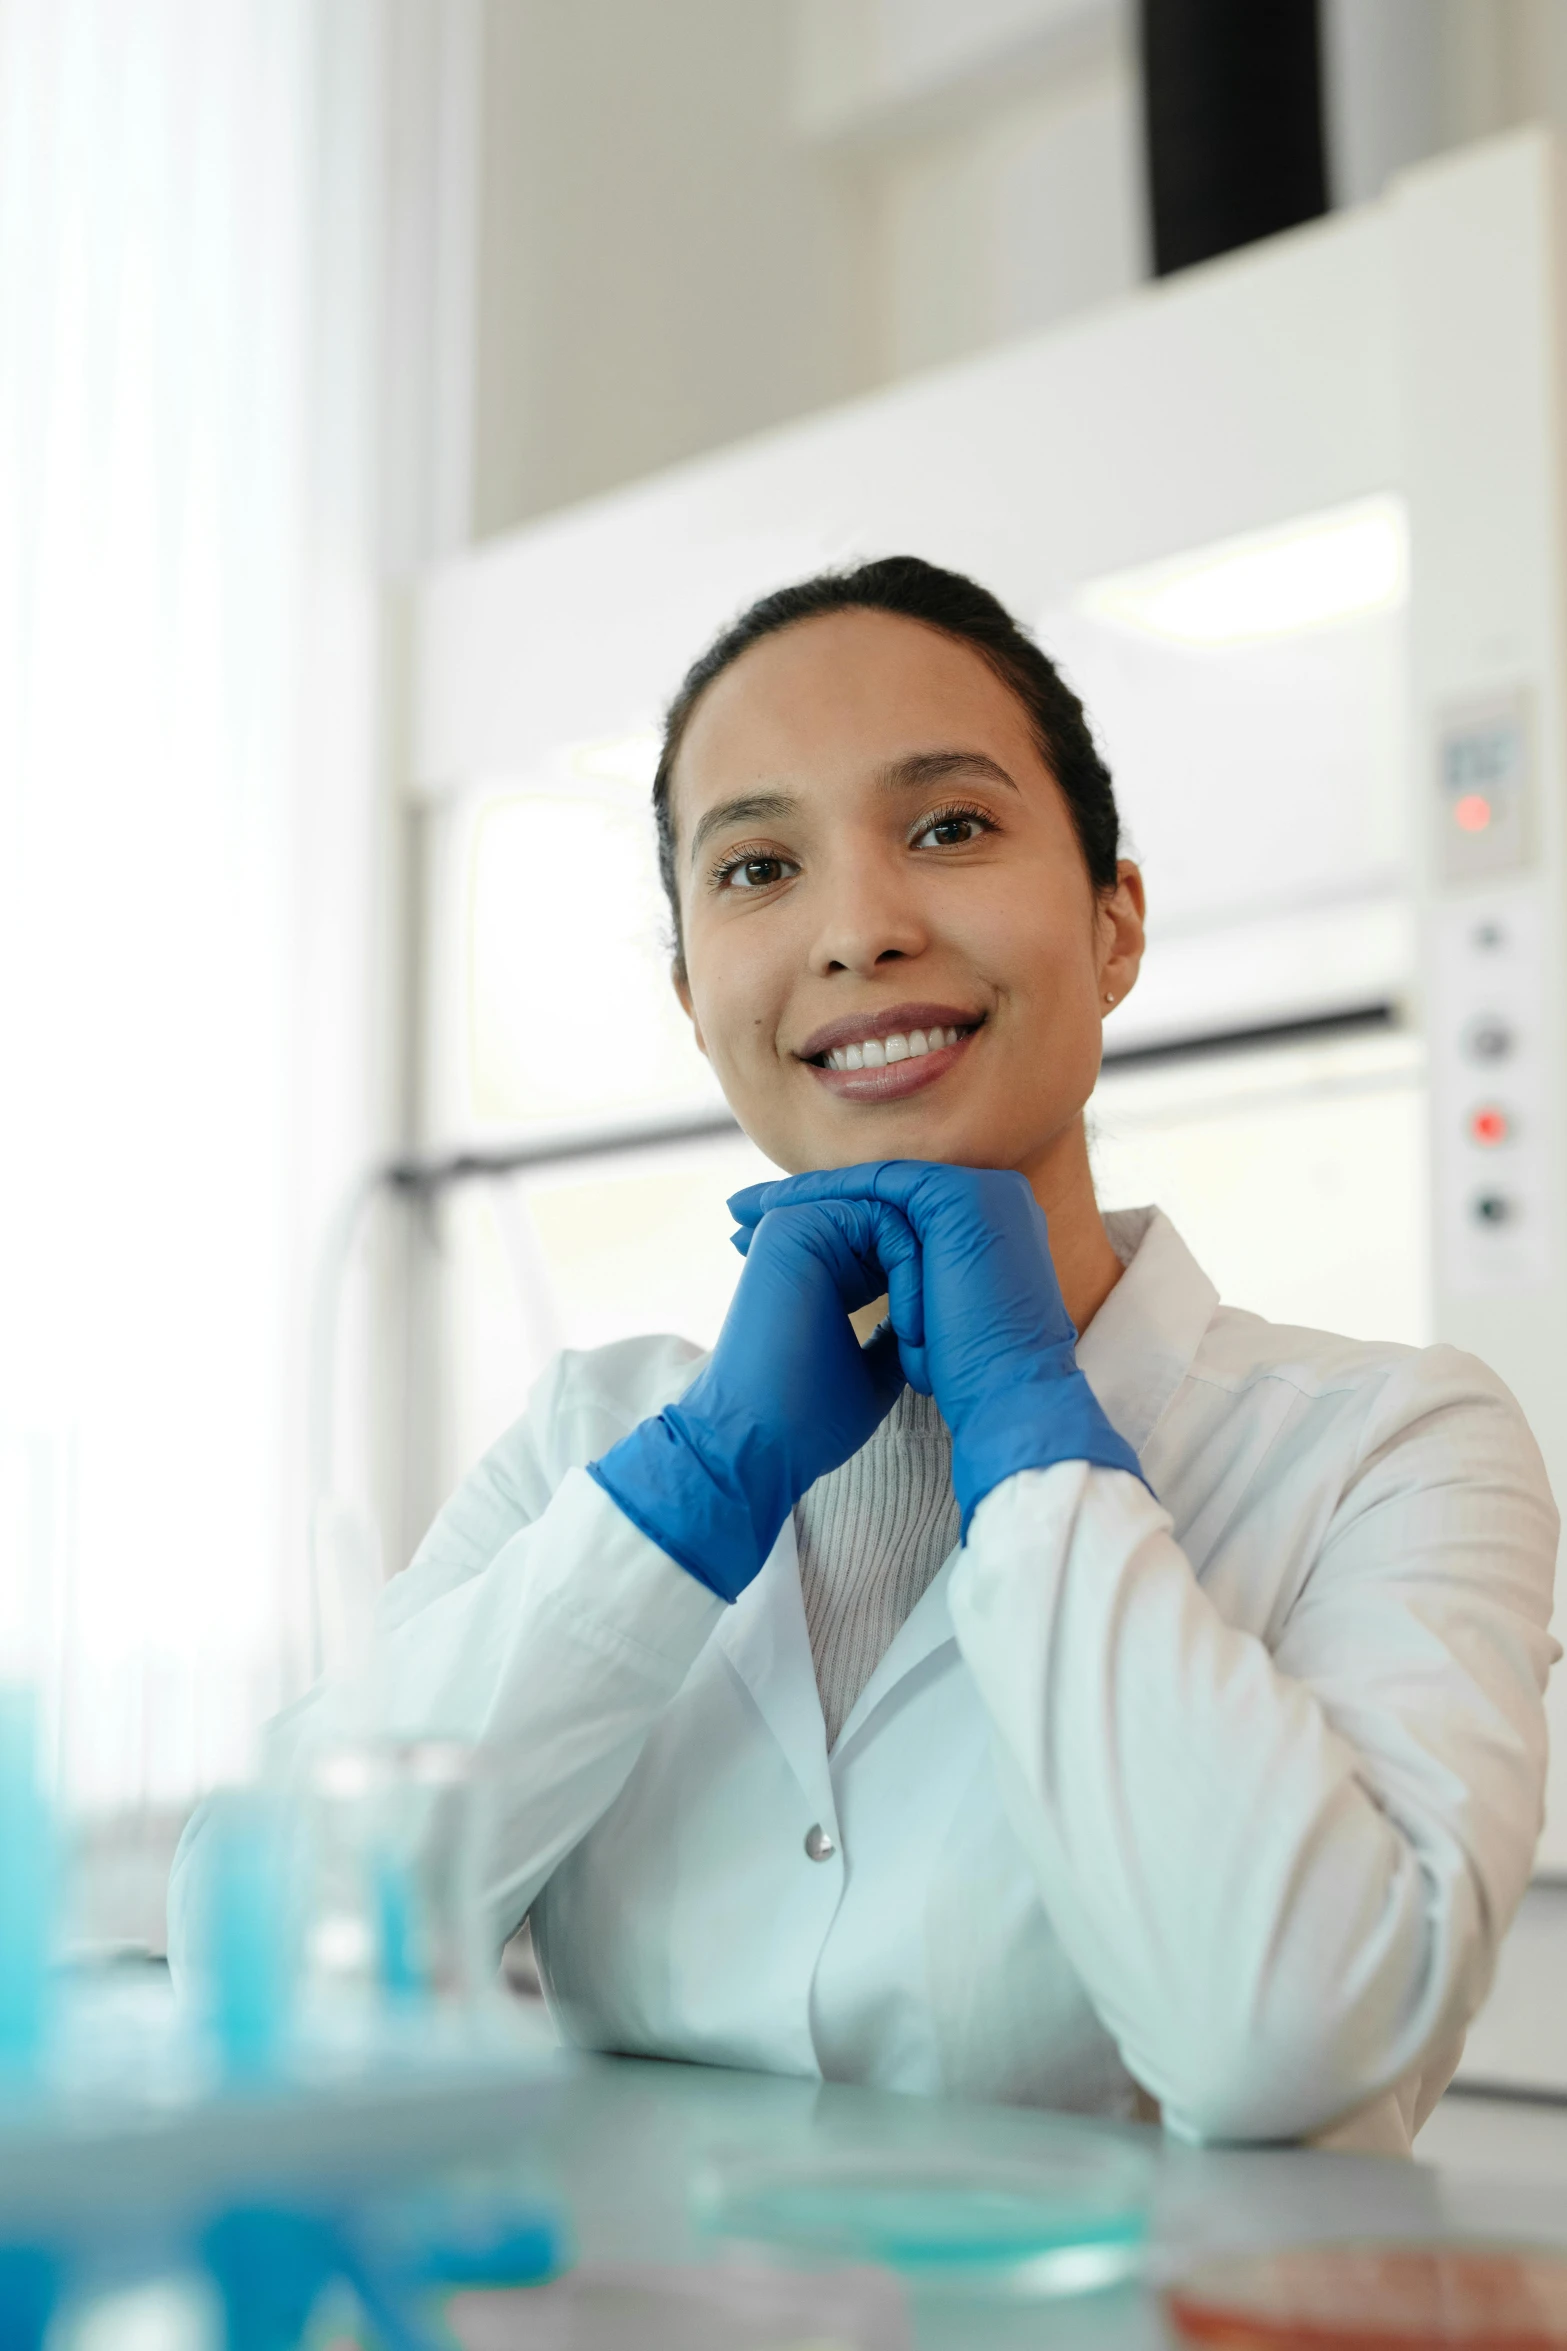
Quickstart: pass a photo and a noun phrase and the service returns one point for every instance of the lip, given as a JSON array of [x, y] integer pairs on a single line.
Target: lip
[[855, 1027], [898, 1078]]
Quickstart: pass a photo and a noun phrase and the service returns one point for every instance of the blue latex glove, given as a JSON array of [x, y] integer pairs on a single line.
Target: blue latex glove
[[787, 1394], [998, 1350]]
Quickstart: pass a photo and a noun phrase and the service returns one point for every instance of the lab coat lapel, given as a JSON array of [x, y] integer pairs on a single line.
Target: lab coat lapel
[[926, 1628], [1139, 1346], [765, 1640]]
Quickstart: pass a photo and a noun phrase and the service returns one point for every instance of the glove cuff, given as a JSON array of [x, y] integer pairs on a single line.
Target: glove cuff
[[660, 1478], [1058, 1419]]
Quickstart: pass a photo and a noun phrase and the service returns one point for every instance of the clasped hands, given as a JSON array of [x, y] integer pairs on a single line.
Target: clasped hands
[[975, 1319]]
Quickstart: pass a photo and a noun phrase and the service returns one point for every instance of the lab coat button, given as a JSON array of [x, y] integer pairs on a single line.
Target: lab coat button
[[818, 1845]]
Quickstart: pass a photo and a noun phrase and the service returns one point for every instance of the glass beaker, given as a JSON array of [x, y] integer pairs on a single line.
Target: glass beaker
[[395, 1945]]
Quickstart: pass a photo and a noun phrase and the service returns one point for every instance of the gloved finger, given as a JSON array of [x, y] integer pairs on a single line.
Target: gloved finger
[[898, 1248], [898, 1253], [880, 1246], [899, 1182], [916, 1368], [883, 1360], [963, 1201]]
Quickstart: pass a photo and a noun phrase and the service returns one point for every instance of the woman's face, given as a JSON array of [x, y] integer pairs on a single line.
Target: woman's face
[[893, 950]]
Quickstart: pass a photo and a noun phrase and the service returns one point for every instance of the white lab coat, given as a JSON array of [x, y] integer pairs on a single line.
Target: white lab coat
[[1236, 1807]]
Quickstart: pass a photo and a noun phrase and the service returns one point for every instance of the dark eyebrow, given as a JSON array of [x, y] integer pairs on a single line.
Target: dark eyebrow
[[921, 769], [915, 773], [751, 808]]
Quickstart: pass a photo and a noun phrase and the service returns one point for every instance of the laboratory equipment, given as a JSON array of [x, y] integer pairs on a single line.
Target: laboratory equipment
[[1069, 2218], [1371, 2297], [29, 2290], [394, 1948], [248, 1939], [139, 2138], [27, 1894]]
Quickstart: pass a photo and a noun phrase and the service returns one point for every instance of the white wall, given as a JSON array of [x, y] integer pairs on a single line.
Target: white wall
[[700, 218], [664, 263], [708, 217]]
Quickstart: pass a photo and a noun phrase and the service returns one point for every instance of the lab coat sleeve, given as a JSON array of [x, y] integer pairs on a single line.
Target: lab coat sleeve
[[1281, 1867], [537, 1623]]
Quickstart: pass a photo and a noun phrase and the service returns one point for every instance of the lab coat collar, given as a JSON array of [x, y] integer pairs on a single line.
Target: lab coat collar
[[765, 1639], [926, 1628], [1142, 1342]]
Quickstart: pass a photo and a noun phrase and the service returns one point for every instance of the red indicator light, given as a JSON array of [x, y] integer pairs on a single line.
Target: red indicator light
[[1488, 1126], [1472, 813]]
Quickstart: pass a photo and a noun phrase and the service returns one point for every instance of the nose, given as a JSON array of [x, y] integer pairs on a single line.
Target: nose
[[870, 915]]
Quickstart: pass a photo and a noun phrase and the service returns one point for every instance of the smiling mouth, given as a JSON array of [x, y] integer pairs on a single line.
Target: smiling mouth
[[880, 1057], [901, 1045]]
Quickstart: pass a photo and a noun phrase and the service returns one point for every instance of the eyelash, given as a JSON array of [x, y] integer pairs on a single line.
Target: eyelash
[[955, 812], [737, 858]]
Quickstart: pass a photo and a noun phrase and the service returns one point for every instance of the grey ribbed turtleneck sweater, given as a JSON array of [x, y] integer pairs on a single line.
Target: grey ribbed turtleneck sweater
[[871, 1536]]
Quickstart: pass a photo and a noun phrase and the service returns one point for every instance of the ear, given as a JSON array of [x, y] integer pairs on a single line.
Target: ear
[[1121, 917], [682, 988]]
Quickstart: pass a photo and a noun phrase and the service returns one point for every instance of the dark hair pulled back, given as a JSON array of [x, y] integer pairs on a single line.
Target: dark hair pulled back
[[945, 600]]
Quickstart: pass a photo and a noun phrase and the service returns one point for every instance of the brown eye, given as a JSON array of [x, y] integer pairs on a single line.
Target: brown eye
[[952, 831], [753, 873]]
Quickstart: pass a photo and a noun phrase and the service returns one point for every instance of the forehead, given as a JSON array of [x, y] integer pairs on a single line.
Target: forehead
[[841, 694]]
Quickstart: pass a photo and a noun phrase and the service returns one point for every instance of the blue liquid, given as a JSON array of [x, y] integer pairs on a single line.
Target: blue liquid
[[920, 2216]]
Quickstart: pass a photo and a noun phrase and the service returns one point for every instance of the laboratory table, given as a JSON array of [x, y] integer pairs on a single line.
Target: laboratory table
[[619, 2144], [623, 2140]]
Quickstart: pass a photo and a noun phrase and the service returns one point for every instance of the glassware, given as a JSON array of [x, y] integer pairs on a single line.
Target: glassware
[[395, 1947], [1069, 2218], [247, 1946]]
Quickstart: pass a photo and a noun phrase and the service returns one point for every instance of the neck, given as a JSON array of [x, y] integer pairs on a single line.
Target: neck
[[1086, 1266]]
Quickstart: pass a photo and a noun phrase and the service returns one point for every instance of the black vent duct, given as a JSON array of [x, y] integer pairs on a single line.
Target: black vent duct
[[1232, 106]]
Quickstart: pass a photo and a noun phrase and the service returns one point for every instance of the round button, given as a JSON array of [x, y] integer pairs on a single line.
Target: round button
[[1488, 1039], [1489, 1125], [818, 1844], [1494, 1208]]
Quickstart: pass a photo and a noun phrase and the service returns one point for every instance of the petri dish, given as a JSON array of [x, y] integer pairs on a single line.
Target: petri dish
[[1375, 2297], [1069, 2220]]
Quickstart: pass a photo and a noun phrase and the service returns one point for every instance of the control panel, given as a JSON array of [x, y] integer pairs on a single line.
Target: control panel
[[1489, 1094], [1485, 776]]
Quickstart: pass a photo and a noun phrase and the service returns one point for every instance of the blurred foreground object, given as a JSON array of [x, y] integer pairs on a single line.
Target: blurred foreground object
[[1363, 2297]]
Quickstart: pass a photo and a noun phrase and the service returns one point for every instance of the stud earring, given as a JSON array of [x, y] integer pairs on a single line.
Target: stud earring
[[1109, 999]]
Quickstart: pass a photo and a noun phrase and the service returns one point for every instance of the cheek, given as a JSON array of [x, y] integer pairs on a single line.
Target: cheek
[[1041, 953], [736, 1000]]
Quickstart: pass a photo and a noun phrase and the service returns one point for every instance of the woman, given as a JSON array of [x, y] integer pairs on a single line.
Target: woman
[[1155, 1719]]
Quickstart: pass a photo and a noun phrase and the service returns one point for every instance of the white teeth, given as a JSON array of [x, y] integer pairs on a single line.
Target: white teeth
[[877, 1052]]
